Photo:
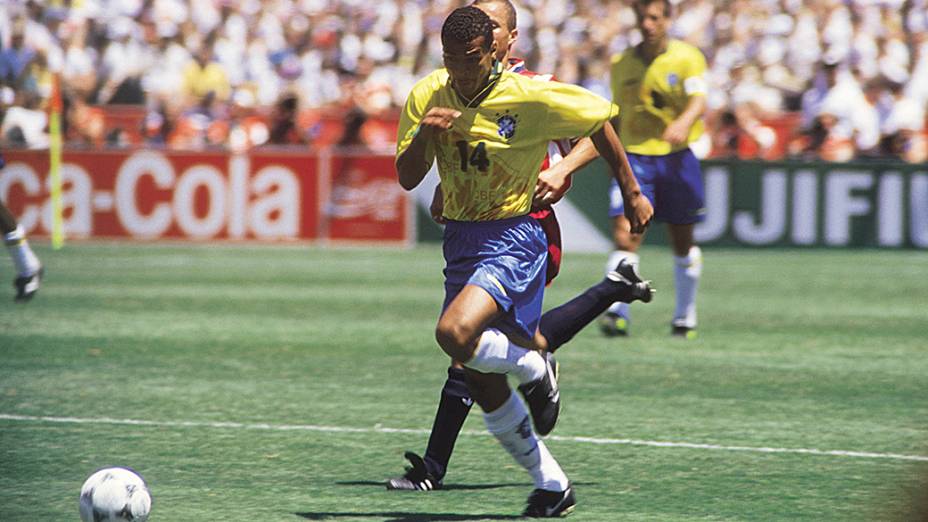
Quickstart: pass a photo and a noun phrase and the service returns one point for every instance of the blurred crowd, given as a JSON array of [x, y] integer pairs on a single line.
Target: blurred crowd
[[830, 79]]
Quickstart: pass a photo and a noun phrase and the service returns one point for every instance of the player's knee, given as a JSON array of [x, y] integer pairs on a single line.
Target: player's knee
[[455, 339]]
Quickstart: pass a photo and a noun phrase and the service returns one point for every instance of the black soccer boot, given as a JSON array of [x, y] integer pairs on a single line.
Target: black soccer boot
[[416, 478], [631, 287], [549, 504]]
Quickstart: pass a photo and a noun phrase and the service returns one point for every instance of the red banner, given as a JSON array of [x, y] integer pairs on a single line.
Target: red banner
[[365, 201], [261, 195]]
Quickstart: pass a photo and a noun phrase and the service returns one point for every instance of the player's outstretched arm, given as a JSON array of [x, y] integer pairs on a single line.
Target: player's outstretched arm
[[552, 181], [412, 164], [638, 209]]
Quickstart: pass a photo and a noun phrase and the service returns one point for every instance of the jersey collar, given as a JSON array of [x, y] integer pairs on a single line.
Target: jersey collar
[[482, 95]]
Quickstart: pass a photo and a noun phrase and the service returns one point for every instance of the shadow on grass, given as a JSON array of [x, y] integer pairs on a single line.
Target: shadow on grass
[[447, 487], [394, 516]]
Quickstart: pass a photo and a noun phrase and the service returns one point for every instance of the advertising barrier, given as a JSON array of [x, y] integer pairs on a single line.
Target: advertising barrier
[[865, 204], [876, 204], [260, 195], [353, 196]]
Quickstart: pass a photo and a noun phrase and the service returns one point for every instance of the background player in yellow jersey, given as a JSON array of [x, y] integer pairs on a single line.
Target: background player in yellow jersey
[[488, 129], [661, 91]]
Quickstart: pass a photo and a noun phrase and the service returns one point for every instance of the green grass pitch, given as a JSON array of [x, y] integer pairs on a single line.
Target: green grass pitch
[[266, 383]]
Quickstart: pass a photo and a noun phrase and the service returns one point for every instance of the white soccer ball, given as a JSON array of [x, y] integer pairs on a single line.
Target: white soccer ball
[[115, 495]]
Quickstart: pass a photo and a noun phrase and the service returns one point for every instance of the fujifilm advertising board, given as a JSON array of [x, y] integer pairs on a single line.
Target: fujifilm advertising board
[[792, 204]]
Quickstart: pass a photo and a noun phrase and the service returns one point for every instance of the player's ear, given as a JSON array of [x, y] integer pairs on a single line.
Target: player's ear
[[513, 36]]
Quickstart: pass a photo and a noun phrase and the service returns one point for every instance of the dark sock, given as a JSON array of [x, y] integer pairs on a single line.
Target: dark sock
[[453, 408], [561, 324]]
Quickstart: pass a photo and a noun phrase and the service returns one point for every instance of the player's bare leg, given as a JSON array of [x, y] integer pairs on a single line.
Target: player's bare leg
[[463, 334], [687, 270], [29, 269]]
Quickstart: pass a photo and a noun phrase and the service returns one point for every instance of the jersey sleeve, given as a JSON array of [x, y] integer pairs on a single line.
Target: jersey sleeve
[[416, 106], [573, 111]]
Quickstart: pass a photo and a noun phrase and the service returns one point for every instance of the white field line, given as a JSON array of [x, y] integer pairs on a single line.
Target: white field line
[[380, 429]]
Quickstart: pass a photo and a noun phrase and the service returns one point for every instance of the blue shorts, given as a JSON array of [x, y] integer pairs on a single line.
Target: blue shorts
[[507, 258], [673, 184]]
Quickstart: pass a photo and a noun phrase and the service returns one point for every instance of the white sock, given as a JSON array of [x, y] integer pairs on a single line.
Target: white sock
[[686, 273], [496, 354], [24, 259], [618, 307], [512, 427]]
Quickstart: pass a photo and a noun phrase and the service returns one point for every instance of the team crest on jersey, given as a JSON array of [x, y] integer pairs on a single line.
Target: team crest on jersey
[[506, 125], [672, 79]]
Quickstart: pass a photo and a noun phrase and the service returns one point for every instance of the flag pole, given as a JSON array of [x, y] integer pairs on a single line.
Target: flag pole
[[54, 169]]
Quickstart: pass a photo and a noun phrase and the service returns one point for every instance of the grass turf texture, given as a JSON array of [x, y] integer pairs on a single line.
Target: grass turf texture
[[797, 349]]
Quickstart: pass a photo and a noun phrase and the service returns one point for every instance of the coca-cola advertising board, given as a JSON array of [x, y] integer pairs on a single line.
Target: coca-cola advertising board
[[365, 201], [214, 195]]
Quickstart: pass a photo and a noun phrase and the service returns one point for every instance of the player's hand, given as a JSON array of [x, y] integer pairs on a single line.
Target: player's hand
[[676, 133], [550, 187], [437, 207], [438, 119], [639, 212]]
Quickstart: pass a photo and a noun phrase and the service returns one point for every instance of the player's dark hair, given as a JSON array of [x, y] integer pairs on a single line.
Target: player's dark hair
[[641, 5], [510, 10], [465, 24]]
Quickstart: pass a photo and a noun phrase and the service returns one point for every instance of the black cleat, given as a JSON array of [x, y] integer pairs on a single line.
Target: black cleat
[[544, 398], [549, 504], [416, 478], [27, 286], [631, 287]]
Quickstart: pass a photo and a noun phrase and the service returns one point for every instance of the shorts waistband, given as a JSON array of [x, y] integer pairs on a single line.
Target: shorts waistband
[[489, 225]]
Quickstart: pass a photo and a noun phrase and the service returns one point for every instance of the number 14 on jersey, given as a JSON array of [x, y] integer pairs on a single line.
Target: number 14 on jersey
[[473, 158]]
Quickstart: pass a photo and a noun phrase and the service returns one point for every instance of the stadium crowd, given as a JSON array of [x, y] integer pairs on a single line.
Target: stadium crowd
[[829, 79]]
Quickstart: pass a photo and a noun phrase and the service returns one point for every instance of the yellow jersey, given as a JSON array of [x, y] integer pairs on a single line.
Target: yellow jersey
[[651, 95], [488, 162]]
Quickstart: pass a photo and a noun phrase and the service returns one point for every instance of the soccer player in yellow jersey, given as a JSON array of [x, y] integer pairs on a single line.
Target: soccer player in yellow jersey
[[660, 89], [558, 325], [488, 130]]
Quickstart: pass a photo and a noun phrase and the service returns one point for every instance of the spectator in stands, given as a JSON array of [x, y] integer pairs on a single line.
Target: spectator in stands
[[79, 71], [284, 130], [25, 124], [124, 61], [204, 77], [868, 120], [15, 58], [903, 130]]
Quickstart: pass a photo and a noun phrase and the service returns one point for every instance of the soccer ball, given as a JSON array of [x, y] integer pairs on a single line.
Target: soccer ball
[[114, 495]]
